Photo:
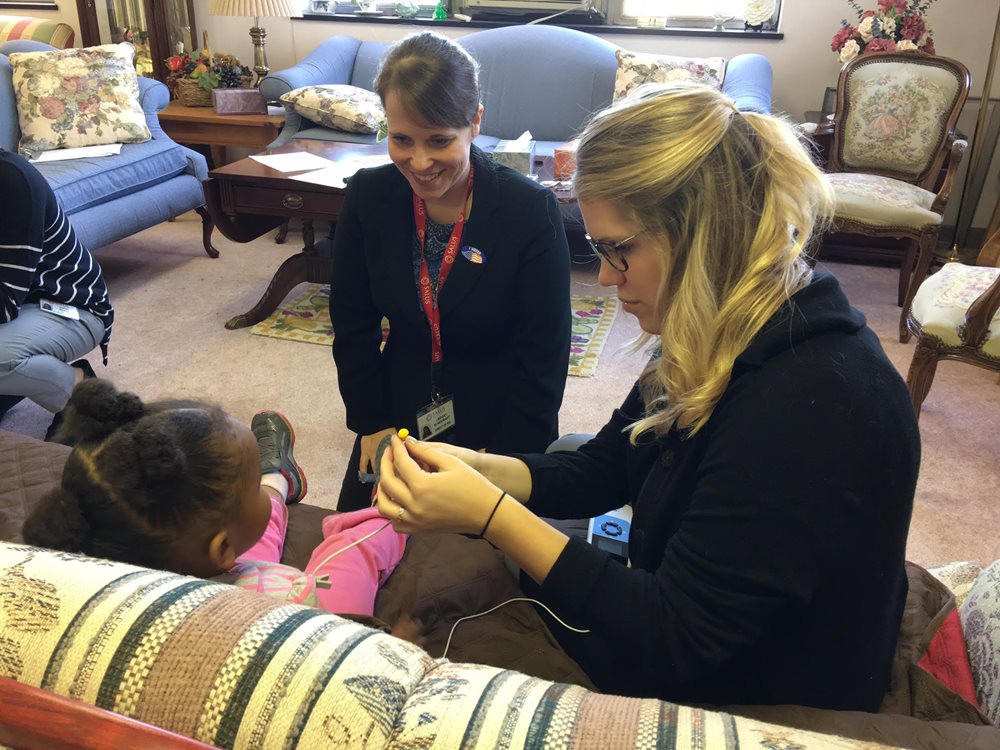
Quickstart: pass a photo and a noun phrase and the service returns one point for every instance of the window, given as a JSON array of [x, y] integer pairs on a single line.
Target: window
[[700, 13]]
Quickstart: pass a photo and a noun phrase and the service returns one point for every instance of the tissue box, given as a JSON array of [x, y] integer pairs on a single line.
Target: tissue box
[[238, 102], [564, 160], [519, 155]]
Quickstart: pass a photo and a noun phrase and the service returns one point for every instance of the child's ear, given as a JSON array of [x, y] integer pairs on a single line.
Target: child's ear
[[221, 551]]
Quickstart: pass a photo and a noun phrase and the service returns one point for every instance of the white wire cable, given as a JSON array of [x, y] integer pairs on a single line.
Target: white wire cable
[[332, 555], [322, 580], [447, 644]]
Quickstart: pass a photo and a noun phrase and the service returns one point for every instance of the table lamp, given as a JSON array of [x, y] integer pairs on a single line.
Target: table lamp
[[256, 9]]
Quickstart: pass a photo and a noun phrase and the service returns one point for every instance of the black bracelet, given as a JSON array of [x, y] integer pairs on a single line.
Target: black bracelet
[[482, 533]]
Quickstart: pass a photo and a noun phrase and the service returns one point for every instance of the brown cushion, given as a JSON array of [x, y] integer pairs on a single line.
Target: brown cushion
[[30, 469], [443, 577]]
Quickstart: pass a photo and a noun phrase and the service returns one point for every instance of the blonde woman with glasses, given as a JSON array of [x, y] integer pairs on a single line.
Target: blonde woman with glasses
[[768, 450]]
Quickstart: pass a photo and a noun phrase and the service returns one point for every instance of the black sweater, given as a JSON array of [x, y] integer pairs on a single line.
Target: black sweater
[[766, 550]]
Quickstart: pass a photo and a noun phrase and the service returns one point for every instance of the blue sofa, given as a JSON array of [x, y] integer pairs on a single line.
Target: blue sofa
[[546, 79], [111, 197]]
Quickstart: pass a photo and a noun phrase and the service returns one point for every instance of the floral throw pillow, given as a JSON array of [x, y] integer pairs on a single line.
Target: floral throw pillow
[[337, 106], [77, 97], [636, 68]]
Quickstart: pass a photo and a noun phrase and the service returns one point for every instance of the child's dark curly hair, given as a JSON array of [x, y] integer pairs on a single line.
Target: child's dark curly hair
[[141, 478]]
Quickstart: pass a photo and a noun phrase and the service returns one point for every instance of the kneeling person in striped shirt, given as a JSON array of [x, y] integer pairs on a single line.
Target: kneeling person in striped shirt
[[54, 305]]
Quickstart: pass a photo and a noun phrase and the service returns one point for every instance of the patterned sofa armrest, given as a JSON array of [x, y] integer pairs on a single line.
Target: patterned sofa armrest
[[56, 33], [235, 668], [225, 666]]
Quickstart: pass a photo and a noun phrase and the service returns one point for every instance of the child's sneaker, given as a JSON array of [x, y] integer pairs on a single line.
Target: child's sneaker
[[275, 440]]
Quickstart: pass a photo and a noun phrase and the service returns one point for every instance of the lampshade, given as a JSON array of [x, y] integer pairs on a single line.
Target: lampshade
[[253, 8]]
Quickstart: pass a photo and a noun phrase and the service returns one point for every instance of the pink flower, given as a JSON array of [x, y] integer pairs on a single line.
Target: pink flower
[[90, 105], [845, 33], [898, 5], [51, 108], [880, 45], [913, 28], [929, 47]]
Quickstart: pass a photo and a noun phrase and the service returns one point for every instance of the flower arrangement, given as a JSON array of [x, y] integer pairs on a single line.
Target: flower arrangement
[[207, 70], [895, 25]]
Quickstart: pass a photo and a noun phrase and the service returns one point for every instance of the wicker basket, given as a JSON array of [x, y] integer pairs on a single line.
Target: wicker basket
[[191, 94]]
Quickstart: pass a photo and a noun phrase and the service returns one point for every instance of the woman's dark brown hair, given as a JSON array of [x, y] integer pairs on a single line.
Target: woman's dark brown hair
[[433, 77]]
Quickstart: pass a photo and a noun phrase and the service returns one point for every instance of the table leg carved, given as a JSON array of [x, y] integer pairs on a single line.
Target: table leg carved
[[300, 268]]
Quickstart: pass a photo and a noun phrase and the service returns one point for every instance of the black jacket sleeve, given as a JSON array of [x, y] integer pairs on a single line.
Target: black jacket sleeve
[[357, 323]]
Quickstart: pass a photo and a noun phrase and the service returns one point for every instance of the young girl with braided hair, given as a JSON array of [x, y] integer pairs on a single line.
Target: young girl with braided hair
[[183, 486]]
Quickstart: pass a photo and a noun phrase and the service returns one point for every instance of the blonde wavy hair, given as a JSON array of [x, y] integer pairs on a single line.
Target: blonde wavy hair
[[734, 199]]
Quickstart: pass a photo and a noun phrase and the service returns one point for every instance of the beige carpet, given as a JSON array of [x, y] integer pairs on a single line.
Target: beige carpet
[[305, 317], [172, 301]]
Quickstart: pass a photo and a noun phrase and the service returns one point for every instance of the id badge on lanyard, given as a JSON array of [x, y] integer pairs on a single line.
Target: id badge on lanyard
[[439, 415]]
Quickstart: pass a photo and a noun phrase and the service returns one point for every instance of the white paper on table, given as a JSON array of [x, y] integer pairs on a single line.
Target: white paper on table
[[335, 176], [375, 160], [297, 161], [80, 152]]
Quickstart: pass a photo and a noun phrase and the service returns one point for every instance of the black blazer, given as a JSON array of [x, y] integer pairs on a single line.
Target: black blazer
[[505, 323]]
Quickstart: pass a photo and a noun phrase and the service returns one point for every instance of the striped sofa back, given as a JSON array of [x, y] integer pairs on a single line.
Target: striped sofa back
[[234, 668], [56, 33]]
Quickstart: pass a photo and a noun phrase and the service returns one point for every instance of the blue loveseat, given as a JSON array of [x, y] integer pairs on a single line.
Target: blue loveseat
[[111, 197], [546, 79]]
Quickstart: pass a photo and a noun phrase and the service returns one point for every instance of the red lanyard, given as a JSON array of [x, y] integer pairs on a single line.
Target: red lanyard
[[428, 299]]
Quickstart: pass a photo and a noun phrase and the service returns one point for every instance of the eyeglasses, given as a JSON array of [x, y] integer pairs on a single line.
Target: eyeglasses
[[612, 252]]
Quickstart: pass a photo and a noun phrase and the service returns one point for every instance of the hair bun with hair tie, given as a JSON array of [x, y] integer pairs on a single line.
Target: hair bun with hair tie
[[96, 409], [160, 458]]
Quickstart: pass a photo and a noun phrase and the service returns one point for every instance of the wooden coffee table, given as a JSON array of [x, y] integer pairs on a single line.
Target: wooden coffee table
[[245, 199]]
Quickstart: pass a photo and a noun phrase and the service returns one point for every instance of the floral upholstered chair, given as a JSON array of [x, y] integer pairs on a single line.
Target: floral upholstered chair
[[893, 133], [954, 315]]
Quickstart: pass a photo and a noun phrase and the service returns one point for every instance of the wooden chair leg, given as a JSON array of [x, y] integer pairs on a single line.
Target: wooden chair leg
[[925, 256], [906, 271], [921, 373]]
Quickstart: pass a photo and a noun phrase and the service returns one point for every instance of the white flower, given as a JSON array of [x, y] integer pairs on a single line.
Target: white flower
[[923, 38], [865, 30], [905, 44], [849, 51], [888, 26]]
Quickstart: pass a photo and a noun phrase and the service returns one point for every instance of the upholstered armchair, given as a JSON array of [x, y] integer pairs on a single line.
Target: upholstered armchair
[[954, 316], [893, 135]]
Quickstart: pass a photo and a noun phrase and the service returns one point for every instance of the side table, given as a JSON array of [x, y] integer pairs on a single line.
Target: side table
[[203, 127]]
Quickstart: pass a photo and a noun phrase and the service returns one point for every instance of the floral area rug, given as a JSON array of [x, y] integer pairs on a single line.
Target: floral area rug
[[306, 318]]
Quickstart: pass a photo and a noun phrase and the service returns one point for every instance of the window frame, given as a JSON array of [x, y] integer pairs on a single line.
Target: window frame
[[617, 14]]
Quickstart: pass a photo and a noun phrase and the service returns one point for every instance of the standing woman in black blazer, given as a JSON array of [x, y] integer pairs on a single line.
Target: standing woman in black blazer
[[487, 247]]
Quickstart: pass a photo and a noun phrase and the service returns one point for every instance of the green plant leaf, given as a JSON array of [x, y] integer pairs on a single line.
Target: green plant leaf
[[208, 80]]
